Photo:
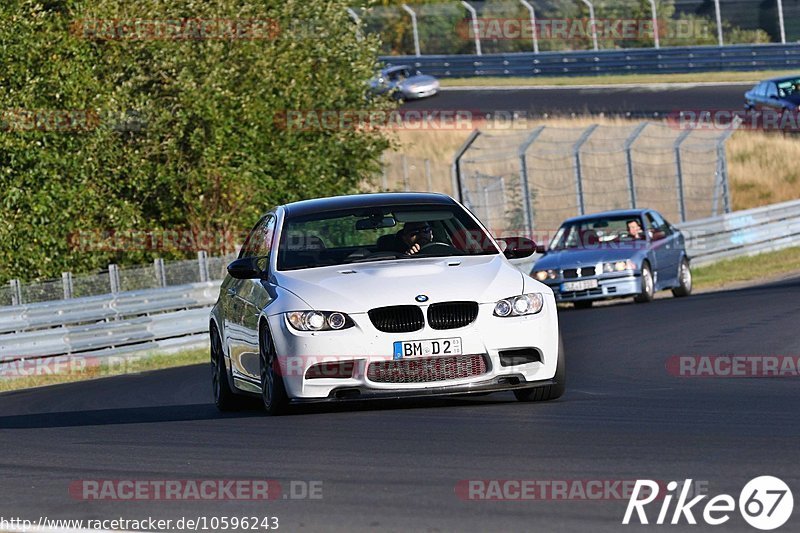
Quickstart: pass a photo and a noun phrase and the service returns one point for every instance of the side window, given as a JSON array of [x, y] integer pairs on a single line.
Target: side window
[[761, 90], [772, 90], [259, 242], [658, 223]]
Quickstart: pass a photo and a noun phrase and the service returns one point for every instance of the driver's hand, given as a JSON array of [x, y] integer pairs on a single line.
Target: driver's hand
[[414, 249]]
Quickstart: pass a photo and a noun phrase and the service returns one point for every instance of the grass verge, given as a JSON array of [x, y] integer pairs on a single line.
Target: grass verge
[[747, 269], [66, 369], [618, 79]]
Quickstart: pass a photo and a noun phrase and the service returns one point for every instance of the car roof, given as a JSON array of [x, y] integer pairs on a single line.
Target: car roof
[[612, 213], [396, 68], [335, 203]]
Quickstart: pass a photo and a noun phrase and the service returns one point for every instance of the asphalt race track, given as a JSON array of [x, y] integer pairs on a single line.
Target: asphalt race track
[[640, 101], [395, 466]]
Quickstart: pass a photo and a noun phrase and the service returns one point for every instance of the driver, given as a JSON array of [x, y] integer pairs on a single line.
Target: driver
[[414, 236], [635, 230]]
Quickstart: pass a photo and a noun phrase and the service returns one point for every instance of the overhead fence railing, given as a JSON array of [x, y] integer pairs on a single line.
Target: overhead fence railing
[[530, 181]]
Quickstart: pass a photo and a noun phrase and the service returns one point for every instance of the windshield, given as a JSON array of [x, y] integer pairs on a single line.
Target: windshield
[[594, 233], [379, 234]]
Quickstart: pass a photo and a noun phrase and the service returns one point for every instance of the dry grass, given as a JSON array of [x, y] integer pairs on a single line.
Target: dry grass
[[762, 166]]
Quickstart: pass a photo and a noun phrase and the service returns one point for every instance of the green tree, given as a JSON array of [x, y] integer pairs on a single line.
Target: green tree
[[187, 133]]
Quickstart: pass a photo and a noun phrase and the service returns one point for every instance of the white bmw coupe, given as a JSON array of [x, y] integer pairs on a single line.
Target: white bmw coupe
[[381, 296]]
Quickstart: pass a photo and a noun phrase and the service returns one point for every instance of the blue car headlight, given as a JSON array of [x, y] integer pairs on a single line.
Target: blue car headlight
[[541, 275], [527, 304], [618, 266], [318, 320]]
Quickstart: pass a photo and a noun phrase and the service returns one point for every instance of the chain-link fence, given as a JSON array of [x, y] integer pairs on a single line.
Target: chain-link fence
[[404, 173], [505, 26], [531, 181], [117, 279]]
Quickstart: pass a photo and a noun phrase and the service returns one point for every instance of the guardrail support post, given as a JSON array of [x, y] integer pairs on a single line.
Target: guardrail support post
[[458, 190], [654, 13], [413, 27], [719, 23], [113, 278], [202, 263], [16, 292], [578, 171], [357, 20], [679, 173], [523, 172], [780, 21], [629, 161], [475, 28], [161, 274], [534, 31], [593, 23], [66, 281]]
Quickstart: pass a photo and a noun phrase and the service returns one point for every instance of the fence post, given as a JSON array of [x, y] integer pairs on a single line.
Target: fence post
[[679, 172], [654, 13], [578, 171], [592, 23], [458, 190], [16, 292], [523, 172], [404, 161], [629, 161], [384, 173], [113, 278], [428, 177], [413, 27], [161, 274], [722, 167], [202, 263], [719, 23], [66, 281], [357, 20], [781, 22], [475, 28], [535, 32]]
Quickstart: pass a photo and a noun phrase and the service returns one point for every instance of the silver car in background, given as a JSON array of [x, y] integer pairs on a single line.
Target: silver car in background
[[403, 82]]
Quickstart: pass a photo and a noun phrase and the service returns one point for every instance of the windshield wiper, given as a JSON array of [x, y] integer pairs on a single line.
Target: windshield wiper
[[370, 259]]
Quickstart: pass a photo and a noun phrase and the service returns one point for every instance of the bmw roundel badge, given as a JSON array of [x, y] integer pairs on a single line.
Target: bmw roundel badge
[[421, 298]]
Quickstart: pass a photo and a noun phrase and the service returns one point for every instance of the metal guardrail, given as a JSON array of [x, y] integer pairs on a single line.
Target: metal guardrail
[[112, 324], [743, 233], [628, 61]]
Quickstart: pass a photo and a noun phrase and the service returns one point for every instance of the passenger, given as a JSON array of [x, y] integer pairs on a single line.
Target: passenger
[[635, 230]]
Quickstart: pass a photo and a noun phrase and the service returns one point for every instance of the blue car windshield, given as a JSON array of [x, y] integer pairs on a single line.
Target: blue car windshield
[[595, 232]]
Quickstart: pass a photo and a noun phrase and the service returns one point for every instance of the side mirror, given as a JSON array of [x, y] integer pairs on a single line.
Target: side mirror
[[246, 268], [541, 249], [518, 247]]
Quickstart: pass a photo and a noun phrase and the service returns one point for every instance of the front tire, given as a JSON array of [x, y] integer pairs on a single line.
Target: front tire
[[550, 392], [648, 286], [685, 279], [273, 391], [224, 398]]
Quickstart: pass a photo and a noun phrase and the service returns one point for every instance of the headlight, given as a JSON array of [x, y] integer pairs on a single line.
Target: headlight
[[619, 266], [318, 320], [527, 304], [542, 275]]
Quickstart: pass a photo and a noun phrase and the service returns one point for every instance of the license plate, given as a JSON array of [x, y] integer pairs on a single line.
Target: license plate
[[427, 348], [571, 286]]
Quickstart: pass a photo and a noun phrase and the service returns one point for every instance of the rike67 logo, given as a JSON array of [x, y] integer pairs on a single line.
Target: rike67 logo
[[765, 503]]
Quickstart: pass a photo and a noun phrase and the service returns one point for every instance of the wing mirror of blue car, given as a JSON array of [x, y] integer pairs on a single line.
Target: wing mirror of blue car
[[657, 235], [518, 247], [247, 268]]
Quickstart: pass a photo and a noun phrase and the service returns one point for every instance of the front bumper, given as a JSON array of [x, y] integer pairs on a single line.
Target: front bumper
[[363, 344], [607, 288], [414, 94]]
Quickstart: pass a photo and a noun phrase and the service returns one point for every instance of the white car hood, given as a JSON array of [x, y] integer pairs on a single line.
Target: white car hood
[[357, 288]]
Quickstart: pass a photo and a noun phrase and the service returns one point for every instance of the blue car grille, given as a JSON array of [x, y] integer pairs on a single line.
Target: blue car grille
[[583, 272]]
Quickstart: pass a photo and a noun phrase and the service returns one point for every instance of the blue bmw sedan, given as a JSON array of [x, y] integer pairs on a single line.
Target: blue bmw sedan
[[615, 254]]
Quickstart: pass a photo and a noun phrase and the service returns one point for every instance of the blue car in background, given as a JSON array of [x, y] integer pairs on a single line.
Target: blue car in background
[[615, 254]]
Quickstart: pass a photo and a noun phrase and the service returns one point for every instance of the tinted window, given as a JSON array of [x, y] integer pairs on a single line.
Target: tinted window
[[658, 223], [259, 241], [595, 232]]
